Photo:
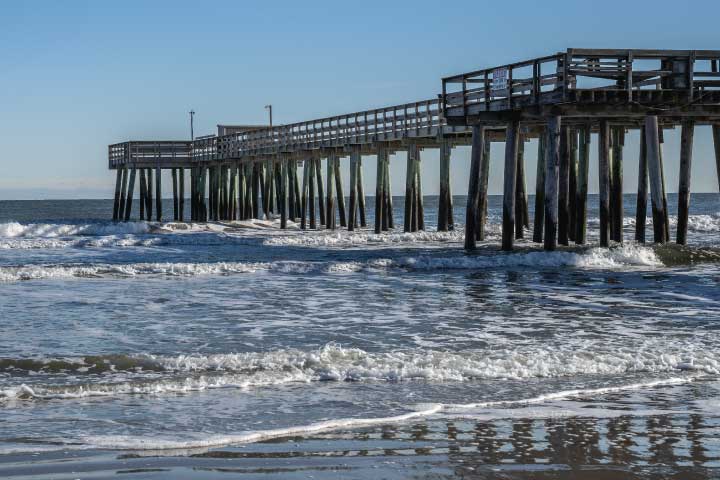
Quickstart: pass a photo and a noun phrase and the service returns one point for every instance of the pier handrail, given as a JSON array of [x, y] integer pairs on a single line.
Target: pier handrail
[[159, 152], [380, 124], [580, 69]]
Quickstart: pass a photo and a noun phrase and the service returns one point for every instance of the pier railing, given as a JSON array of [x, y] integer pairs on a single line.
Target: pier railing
[[410, 120], [554, 79], [166, 153]]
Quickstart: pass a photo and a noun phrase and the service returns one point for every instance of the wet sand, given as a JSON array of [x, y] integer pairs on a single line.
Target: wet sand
[[632, 447]]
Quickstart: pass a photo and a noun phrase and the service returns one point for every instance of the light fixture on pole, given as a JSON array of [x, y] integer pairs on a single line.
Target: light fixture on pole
[[269, 109]]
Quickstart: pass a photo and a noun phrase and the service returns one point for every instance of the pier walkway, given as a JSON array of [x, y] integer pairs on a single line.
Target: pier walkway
[[563, 100]]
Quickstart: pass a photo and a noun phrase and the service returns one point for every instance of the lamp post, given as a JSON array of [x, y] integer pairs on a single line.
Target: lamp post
[[269, 109], [192, 131]]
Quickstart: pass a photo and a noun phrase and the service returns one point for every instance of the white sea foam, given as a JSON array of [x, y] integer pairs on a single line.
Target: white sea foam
[[440, 410], [344, 239], [53, 230], [335, 363]]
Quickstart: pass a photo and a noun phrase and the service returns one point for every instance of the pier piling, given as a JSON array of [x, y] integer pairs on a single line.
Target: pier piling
[[539, 221], [473, 198], [552, 173], [582, 183], [604, 181], [686, 146], [511, 162]]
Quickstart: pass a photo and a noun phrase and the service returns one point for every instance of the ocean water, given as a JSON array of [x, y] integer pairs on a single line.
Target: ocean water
[[179, 350]]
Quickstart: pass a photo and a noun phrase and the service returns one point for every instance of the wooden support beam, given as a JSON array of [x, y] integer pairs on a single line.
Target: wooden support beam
[[233, 194], [539, 221], [379, 189], [511, 161], [716, 142], [320, 191], [304, 196], [521, 202], [686, 147], [131, 188], [604, 181], [471, 213], [158, 194], [552, 173], [572, 185], [388, 214], [291, 168], [149, 194], [410, 218], [340, 194], [284, 191], [311, 192], [361, 192], [203, 210], [483, 200], [420, 204], [642, 195], [181, 194], [249, 196], [296, 186], [175, 194], [445, 200], [564, 187], [652, 138], [143, 193], [582, 184], [330, 185], [618, 215], [666, 212], [118, 186], [352, 214], [123, 194]]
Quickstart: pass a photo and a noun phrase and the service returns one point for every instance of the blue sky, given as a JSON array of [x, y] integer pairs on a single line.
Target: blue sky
[[77, 76]]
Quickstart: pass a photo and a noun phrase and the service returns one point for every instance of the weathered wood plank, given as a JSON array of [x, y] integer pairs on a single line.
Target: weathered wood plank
[[618, 214], [471, 213], [582, 183], [686, 147], [564, 186], [655, 173], [131, 188], [510, 177], [604, 181], [539, 221], [552, 173]]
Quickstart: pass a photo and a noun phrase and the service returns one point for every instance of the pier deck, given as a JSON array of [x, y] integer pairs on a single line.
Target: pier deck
[[562, 99]]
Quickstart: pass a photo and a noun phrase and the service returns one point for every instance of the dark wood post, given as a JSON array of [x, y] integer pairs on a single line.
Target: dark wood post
[[686, 146], [330, 178], [320, 191], [284, 206], [521, 204], [716, 142], [388, 221], [618, 214], [361, 192], [304, 196], [149, 194], [539, 221], [604, 181], [118, 186], [143, 193], [379, 189], [481, 218], [445, 200], [654, 170], [552, 172], [420, 209], [409, 190], [352, 214], [339, 193], [158, 194], [511, 160], [564, 186], [641, 208], [471, 214], [131, 188], [582, 183], [175, 194], [123, 193], [573, 186], [666, 213], [311, 192], [181, 194]]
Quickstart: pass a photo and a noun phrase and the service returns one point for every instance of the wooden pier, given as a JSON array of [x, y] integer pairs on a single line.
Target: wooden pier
[[561, 99]]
